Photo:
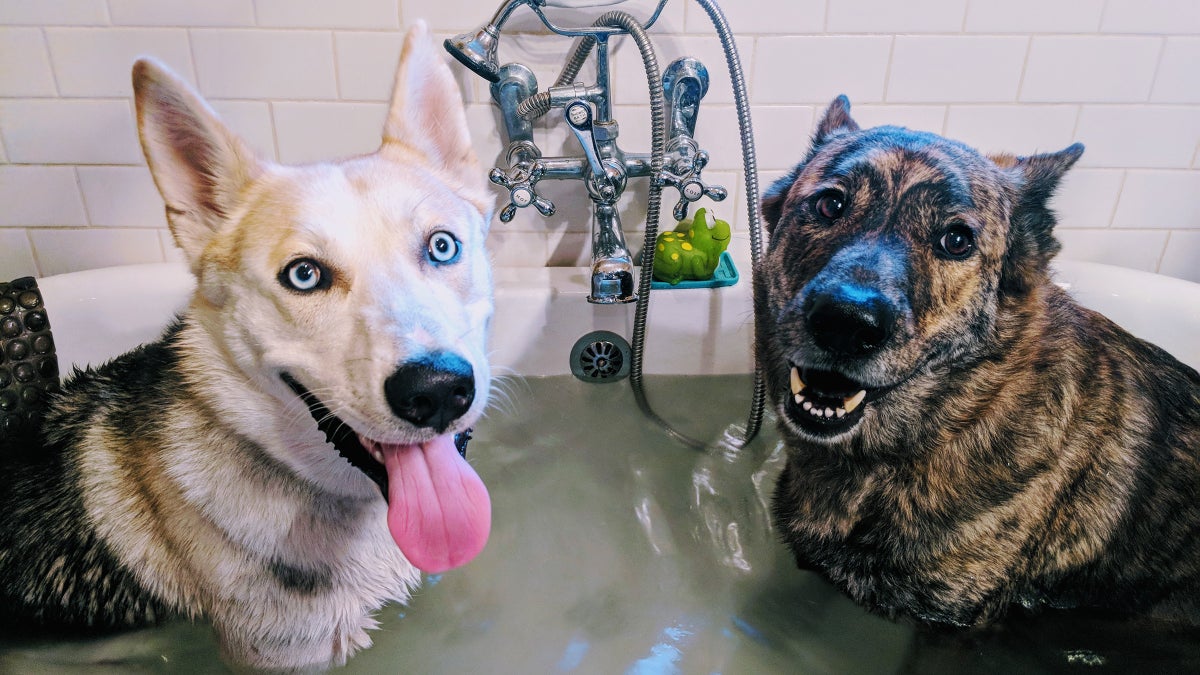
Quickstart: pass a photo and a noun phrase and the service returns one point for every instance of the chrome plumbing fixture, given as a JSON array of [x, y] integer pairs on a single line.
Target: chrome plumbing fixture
[[675, 158], [604, 167], [685, 82], [477, 50]]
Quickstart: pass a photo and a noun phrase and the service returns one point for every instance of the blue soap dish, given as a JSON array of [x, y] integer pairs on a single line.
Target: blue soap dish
[[726, 274]]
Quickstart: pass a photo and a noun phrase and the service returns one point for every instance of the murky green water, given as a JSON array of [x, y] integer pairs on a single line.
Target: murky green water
[[614, 550]]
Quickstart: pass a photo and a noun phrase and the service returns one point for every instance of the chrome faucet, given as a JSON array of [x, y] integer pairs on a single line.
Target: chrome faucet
[[685, 82], [604, 168]]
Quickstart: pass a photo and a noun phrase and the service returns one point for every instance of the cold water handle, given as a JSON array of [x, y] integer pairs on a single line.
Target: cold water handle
[[685, 82]]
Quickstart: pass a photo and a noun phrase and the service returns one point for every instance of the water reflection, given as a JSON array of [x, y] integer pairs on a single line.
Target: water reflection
[[621, 552]]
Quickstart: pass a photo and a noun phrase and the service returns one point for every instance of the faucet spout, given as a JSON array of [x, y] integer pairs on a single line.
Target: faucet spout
[[612, 265], [685, 82]]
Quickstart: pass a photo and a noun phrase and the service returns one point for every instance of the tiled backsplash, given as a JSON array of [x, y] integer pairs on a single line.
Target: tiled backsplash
[[308, 79]]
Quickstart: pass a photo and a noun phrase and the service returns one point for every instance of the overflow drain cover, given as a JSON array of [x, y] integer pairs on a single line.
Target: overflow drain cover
[[600, 356]]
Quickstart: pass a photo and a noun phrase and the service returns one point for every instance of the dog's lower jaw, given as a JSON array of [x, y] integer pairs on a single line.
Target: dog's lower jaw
[[798, 431], [824, 406], [816, 420]]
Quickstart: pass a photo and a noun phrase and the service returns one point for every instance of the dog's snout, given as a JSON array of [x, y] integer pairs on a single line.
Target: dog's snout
[[432, 391], [852, 326]]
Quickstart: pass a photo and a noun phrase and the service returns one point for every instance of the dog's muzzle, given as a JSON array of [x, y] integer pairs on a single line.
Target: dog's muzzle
[[846, 324], [345, 439]]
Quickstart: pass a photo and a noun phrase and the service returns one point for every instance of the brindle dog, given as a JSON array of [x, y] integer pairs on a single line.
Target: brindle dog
[[962, 436]]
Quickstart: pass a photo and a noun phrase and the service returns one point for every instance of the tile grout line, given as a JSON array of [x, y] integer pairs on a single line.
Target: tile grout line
[[33, 254]]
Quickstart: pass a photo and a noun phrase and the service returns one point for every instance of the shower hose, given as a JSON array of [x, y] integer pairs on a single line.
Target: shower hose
[[539, 104]]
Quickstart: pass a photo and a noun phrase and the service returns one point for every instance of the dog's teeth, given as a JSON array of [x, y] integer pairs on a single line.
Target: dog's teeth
[[799, 399], [841, 413], [808, 405], [797, 384], [853, 402], [829, 412]]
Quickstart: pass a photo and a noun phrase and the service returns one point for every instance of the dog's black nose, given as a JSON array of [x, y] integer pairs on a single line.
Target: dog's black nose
[[847, 326], [431, 391]]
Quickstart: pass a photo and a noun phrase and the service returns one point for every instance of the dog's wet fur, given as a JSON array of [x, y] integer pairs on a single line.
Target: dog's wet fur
[[962, 436], [189, 478]]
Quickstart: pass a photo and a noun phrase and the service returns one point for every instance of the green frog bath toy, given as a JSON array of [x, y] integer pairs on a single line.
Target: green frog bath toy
[[692, 251]]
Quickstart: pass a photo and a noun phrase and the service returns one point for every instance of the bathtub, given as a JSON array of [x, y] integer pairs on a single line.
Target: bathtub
[[540, 312], [613, 549]]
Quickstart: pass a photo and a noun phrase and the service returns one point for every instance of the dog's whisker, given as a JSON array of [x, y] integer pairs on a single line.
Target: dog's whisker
[[502, 399]]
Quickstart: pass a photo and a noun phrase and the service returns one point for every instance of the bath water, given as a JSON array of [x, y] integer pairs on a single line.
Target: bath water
[[615, 550]]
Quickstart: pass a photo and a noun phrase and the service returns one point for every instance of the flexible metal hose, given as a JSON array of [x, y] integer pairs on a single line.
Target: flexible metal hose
[[535, 106], [583, 47], [753, 209], [539, 104], [753, 212]]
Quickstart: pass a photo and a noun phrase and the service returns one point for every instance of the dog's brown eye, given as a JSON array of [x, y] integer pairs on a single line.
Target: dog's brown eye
[[957, 241], [830, 204], [304, 275]]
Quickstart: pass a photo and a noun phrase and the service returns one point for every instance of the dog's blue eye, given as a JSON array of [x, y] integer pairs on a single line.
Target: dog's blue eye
[[957, 242], [830, 204], [304, 274], [443, 247]]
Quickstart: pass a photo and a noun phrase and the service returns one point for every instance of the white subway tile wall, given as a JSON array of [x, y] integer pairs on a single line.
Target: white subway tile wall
[[311, 131], [304, 80], [83, 57], [160, 13], [45, 196], [121, 196], [26, 46], [1177, 80]]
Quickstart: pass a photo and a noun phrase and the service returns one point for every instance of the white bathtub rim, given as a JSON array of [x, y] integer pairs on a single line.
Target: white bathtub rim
[[540, 311]]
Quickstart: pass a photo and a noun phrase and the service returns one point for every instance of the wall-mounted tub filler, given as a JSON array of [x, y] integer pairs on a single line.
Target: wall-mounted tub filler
[[603, 166], [675, 158]]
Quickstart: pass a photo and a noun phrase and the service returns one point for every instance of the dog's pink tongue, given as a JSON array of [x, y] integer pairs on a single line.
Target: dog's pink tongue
[[439, 511]]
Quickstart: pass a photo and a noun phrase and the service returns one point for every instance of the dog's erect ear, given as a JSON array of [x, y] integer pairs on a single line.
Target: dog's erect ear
[[774, 197], [199, 166], [1031, 242], [837, 119], [427, 114]]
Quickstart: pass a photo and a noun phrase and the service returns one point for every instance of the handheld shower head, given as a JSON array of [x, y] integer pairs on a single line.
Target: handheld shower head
[[477, 51]]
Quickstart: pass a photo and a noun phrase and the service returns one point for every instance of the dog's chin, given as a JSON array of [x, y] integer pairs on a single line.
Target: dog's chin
[[361, 452], [826, 406]]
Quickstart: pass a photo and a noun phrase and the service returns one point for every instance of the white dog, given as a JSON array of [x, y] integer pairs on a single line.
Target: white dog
[[188, 477]]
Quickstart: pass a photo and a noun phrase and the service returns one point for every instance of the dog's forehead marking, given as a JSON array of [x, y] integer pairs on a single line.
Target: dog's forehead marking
[[900, 170]]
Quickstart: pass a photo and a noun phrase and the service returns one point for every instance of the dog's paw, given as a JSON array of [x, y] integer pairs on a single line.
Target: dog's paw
[[309, 646]]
